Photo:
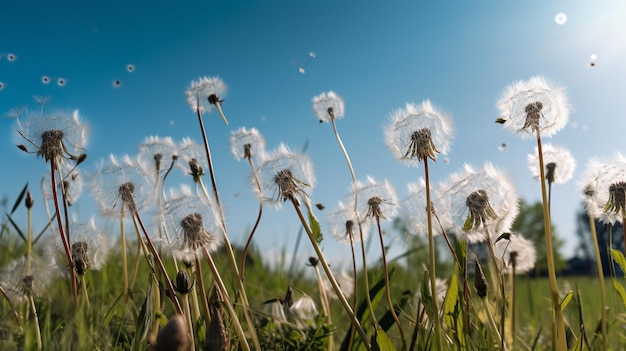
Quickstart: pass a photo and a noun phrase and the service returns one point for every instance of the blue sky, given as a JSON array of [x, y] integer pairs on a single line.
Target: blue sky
[[460, 55]]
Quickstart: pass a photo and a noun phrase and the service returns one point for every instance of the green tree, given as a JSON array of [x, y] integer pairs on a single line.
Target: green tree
[[529, 223]]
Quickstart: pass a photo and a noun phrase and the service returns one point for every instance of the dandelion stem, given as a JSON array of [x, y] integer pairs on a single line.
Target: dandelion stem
[[596, 248], [36, 319], [6, 297], [203, 297], [492, 323], [124, 258], [244, 255], [387, 283], [66, 247], [561, 342], [229, 305], [363, 255], [331, 278], [432, 262], [29, 240], [229, 248], [159, 262]]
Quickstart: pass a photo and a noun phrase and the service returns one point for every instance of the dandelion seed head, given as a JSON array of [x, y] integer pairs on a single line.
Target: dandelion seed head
[[120, 186], [377, 200], [204, 93], [58, 136], [285, 175], [328, 106], [473, 203], [247, 143], [515, 250], [559, 163], [343, 223], [604, 188], [418, 132], [533, 105], [194, 222]]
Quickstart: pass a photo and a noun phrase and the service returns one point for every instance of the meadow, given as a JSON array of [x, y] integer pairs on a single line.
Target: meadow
[[167, 277]]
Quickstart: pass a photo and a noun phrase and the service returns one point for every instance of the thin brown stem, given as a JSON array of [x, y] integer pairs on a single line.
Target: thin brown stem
[[244, 255], [157, 258]]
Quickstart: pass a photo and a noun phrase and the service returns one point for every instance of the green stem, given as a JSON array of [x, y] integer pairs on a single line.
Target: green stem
[[229, 305], [432, 262], [388, 283], [561, 342], [331, 278], [596, 248]]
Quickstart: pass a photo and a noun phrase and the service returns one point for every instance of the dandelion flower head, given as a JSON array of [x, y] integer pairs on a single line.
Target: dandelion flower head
[[558, 162], [285, 175], [205, 92], [343, 223], [604, 186], [247, 143], [120, 186], [532, 105], [418, 131], [195, 223], [474, 203], [58, 136], [375, 200], [515, 249], [328, 106]]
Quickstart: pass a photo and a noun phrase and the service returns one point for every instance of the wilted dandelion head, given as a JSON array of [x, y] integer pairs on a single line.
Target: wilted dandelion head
[[194, 222], [120, 186], [559, 164], [247, 143], [56, 137], [303, 311], [343, 223], [328, 106], [604, 186], [533, 105], [473, 203], [515, 251], [285, 175], [418, 132], [375, 200], [204, 93]]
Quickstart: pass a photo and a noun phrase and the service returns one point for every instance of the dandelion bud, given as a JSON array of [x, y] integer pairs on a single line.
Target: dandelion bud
[[30, 201], [174, 336], [550, 168], [196, 169], [480, 282], [183, 283]]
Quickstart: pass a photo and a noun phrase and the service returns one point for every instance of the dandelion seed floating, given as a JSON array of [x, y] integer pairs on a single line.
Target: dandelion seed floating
[[61, 82], [302, 69], [11, 57], [45, 79], [2, 85], [116, 83], [130, 68]]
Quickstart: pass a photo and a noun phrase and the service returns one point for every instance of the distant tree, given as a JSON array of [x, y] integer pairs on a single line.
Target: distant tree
[[529, 223], [608, 237]]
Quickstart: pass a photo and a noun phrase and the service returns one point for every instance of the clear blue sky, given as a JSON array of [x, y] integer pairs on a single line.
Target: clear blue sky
[[460, 55]]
